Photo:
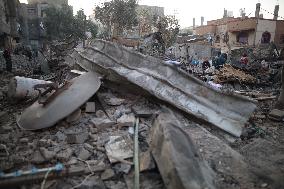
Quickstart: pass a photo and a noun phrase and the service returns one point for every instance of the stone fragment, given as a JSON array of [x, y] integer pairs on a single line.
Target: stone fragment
[[93, 183], [77, 138], [107, 174], [74, 116], [102, 123], [277, 115], [44, 143], [37, 158], [48, 155], [122, 168], [60, 136], [64, 154], [115, 185], [4, 117], [90, 107], [24, 140], [146, 161], [126, 120], [101, 114], [88, 147], [119, 147], [84, 154]]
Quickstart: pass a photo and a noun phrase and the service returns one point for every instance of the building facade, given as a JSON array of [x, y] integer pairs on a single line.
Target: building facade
[[239, 32], [32, 17], [9, 24]]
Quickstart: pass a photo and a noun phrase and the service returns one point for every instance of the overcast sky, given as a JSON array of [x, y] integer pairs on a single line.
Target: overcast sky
[[185, 10]]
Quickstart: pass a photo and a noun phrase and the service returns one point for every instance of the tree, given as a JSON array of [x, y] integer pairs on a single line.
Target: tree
[[60, 23], [169, 27], [119, 14]]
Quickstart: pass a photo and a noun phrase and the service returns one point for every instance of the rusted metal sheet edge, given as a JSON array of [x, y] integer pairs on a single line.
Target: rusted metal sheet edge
[[170, 94]]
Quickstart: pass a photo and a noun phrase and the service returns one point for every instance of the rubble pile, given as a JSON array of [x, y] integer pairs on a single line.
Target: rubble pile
[[133, 121], [229, 74]]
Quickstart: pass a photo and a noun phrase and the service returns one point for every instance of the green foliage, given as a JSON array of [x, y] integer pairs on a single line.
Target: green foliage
[[60, 23], [169, 27], [118, 13]]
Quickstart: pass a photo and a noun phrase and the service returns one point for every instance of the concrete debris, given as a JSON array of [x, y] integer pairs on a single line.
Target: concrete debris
[[162, 80], [126, 120], [122, 168], [110, 99], [64, 155], [83, 154], [90, 107], [4, 116], [102, 123], [38, 158], [107, 174], [176, 157], [101, 114], [76, 138], [146, 161], [48, 155], [78, 91], [73, 117], [119, 147], [277, 115]]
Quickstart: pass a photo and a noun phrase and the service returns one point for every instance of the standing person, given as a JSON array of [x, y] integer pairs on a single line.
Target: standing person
[[244, 59], [7, 56]]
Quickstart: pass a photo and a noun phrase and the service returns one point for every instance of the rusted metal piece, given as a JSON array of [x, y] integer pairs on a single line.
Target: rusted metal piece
[[227, 111], [60, 104]]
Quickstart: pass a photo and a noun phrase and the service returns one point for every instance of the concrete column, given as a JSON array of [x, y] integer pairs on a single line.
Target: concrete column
[[276, 10], [257, 10], [193, 23], [202, 20]]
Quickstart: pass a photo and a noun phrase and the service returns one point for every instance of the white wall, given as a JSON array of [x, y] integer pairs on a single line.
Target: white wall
[[263, 26]]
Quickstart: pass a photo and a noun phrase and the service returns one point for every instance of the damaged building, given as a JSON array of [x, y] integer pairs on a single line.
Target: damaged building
[[9, 23], [244, 31]]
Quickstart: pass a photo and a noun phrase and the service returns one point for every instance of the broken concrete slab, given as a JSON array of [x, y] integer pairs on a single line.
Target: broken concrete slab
[[227, 163], [75, 116], [146, 161], [76, 138], [90, 107], [110, 99], [126, 120], [225, 110], [107, 174], [84, 154], [119, 147], [277, 115], [177, 159], [64, 154], [102, 123], [77, 91]]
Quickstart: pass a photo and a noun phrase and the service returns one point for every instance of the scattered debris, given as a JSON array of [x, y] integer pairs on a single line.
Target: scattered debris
[[90, 107], [119, 147]]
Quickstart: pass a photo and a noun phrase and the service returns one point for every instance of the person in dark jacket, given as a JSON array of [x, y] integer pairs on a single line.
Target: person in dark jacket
[[8, 58]]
